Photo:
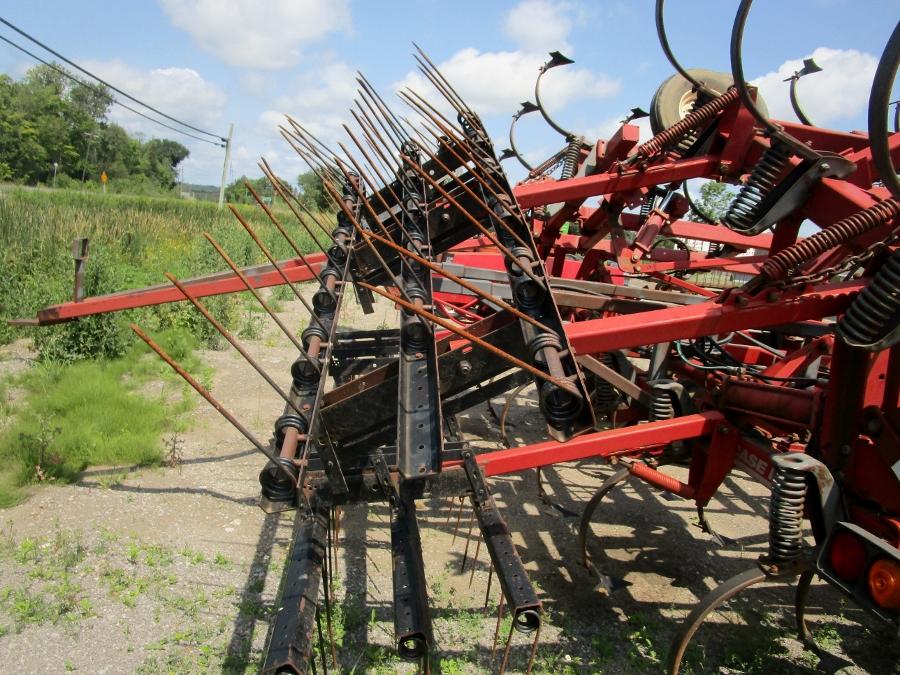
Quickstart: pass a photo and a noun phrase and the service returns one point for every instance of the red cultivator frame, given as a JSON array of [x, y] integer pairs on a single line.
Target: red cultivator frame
[[793, 376]]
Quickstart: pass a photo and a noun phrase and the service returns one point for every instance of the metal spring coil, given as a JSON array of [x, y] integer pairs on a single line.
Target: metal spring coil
[[744, 210], [786, 514], [780, 264], [646, 207], [605, 395], [570, 160], [661, 406], [873, 314], [675, 133]]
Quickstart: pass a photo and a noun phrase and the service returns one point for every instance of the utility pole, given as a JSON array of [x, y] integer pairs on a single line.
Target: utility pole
[[225, 165]]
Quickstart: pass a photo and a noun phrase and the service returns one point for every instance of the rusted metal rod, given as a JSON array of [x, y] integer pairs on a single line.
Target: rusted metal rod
[[271, 259], [200, 389], [559, 382], [462, 282], [224, 332], [283, 231], [253, 291], [481, 228]]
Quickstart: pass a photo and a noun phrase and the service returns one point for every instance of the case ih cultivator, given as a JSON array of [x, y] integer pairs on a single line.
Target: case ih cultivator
[[793, 376]]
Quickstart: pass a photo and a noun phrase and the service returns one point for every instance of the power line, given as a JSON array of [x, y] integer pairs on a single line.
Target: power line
[[90, 85], [107, 84]]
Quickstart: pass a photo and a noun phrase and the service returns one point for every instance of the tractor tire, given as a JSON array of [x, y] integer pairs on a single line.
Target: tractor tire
[[675, 97]]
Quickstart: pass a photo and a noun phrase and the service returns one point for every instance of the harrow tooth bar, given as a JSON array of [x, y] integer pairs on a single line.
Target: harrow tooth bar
[[412, 620]]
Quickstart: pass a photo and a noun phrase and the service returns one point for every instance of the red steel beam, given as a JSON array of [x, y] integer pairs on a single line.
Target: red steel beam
[[260, 276], [707, 318], [601, 444], [553, 191]]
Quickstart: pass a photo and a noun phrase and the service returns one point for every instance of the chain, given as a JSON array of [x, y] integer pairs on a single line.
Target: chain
[[849, 263]]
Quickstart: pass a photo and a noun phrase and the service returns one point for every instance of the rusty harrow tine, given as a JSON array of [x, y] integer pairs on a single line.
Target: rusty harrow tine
[[500, 607], [304, 148], [561, 383], [253, 291], [534, 646], [284, 233], [271, 259], [527, 272], [487, 595], [307, 134], [502, 304], [377, 193], [390, 117], [497, 219], [440, 75], [200, 389], [321, 644], [282, 193], [458, 518], [475, 561], [375, 113], [359, 228], [224, 332], [506, 650], [440, 86], [380, 137], [367, 129], [468, 539]]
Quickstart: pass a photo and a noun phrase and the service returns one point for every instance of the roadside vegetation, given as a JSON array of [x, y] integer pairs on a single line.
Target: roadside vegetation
[[82, 404]]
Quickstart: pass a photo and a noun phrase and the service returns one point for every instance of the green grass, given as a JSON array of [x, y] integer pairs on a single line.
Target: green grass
[[90, 413]]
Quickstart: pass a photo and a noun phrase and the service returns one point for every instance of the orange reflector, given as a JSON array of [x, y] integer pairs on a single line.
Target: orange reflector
[[847, 555], [884, 583]]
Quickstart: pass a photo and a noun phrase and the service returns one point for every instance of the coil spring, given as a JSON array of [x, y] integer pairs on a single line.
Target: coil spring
[[570, 160], [715, 248], [661, 406], [874, 313], [744, 210], [605, 395], [786, 512], [646, 207], [780, 264], [675, 133], [275, 485]]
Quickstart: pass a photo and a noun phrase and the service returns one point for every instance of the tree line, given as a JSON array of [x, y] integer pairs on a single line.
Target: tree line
[[54, 130]]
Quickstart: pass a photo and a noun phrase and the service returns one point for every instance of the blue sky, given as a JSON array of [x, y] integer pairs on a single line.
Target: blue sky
[[211, 62]]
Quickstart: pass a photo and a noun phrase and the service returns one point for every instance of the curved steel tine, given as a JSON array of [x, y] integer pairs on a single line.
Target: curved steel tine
[[803, 584], [809, 67], [667, 50], [878, 109], [737, 73], [556, 59], [710, 602], [635, 114], [585, 525], [527, 107]]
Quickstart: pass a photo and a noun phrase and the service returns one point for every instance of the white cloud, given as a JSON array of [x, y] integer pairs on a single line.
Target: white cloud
[[179, 92], [540, 25], [265, 35], [497, 82], [839, 92]]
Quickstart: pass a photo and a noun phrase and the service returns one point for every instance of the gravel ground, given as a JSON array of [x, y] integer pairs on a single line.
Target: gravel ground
[[176, 569]]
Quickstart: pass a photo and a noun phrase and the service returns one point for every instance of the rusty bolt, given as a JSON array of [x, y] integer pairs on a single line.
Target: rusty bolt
[[773, 295], [305, 406], [741, 300], [465, 367]]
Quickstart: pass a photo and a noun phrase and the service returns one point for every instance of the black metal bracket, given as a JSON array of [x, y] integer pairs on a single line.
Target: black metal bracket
[[412, 622], [383, 475]]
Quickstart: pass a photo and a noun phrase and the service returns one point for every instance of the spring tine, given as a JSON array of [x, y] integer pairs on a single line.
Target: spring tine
[[385, 127], [326, 583], [286, 236], [439, 74], [534, 646], [231, 339], [253, 291], [200, 389], [321, 644], [449, 511], [308, 134], [506, 651], [462, 282], [287, 200], [561, 383], [500, 608], [527, 272], [475, 561], [458, 518], [487, 595], [414, 98], [374, 92], [381, 138], [468, 540], [367, 129], [271, 258]]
